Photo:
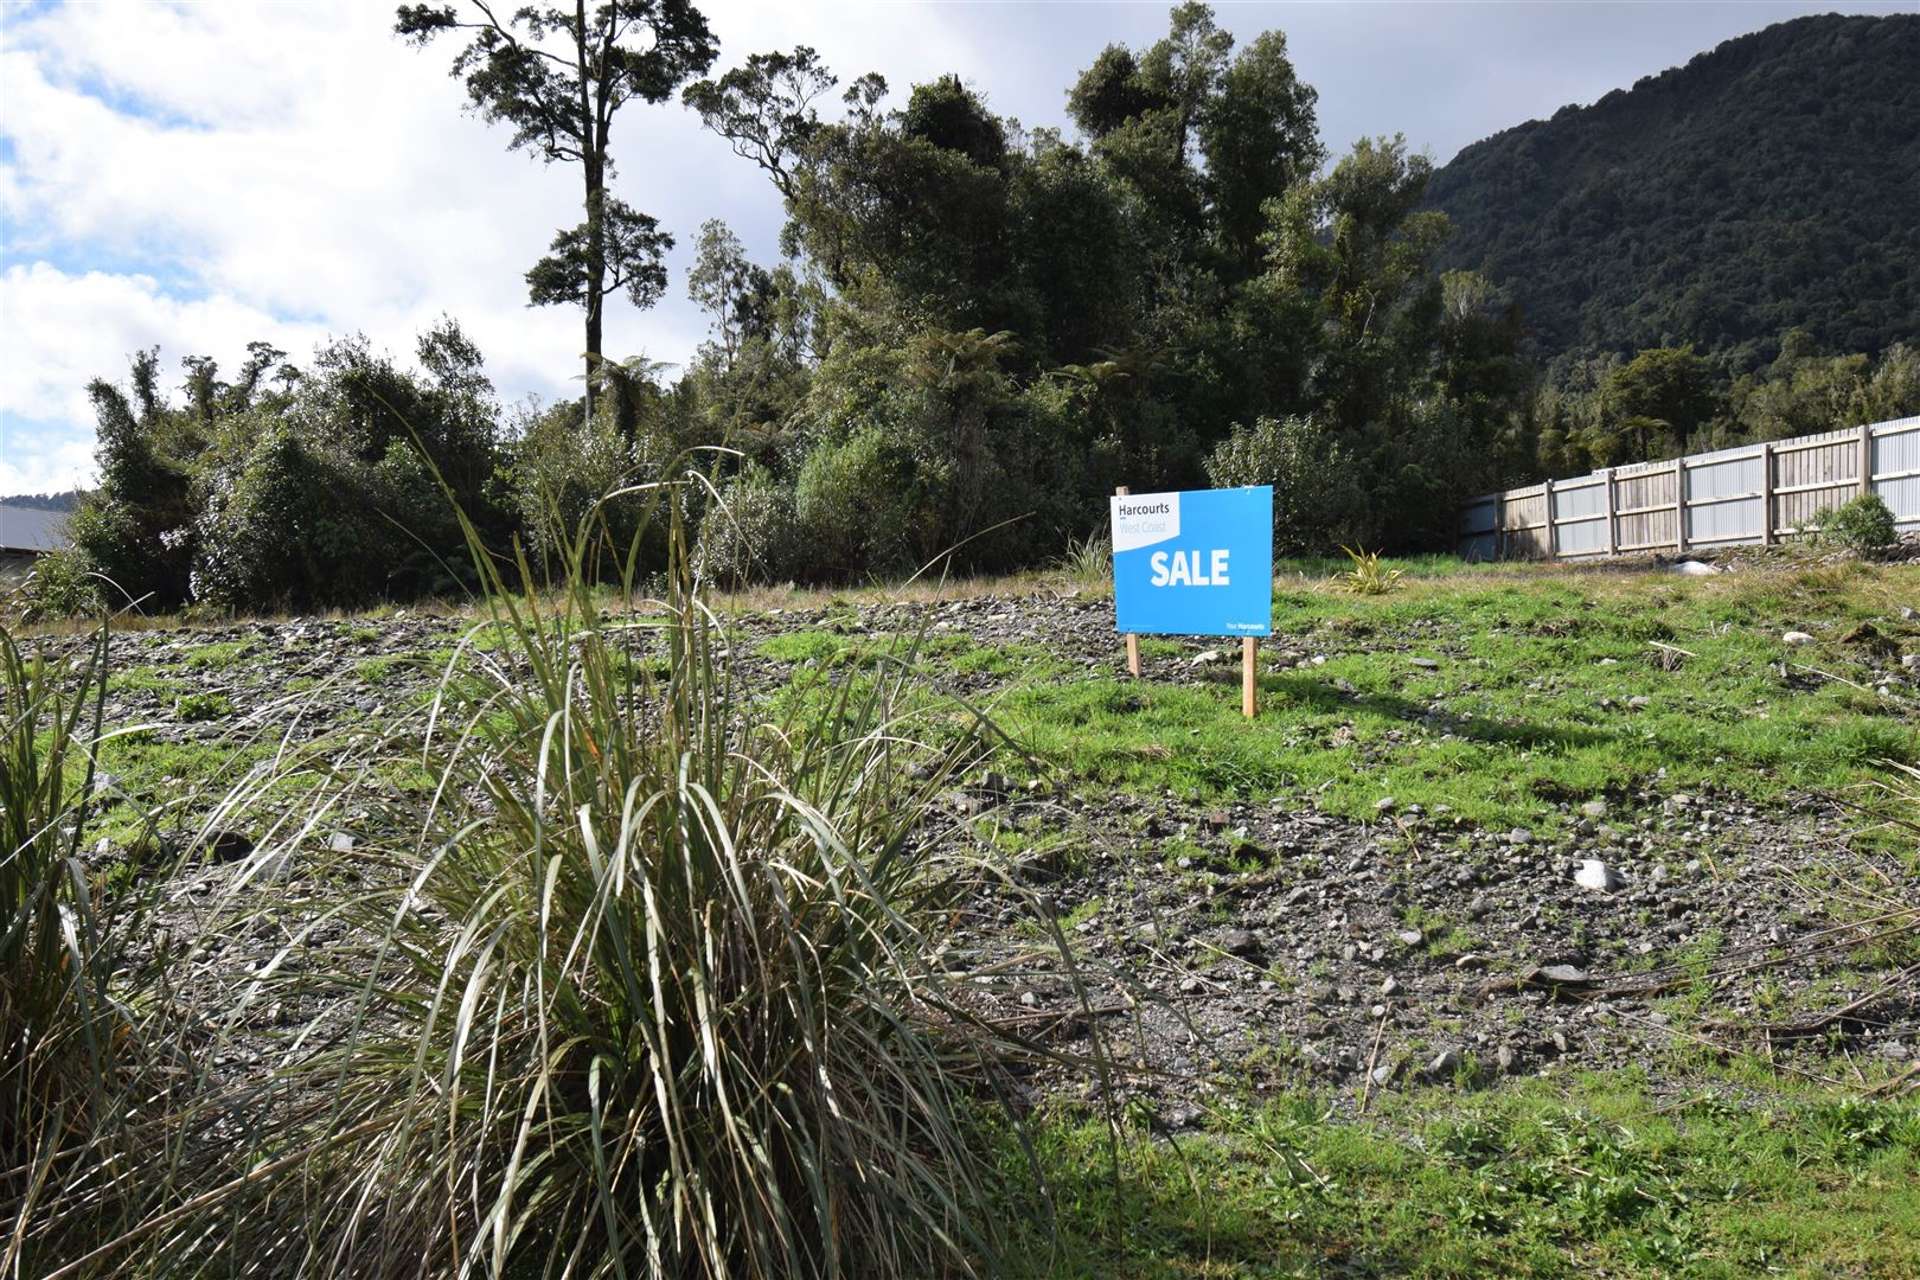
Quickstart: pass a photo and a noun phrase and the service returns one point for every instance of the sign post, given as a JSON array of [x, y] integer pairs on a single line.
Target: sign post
[[1195, 563], [1133, 641]]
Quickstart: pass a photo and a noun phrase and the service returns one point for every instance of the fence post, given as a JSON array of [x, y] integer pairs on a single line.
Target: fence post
[[1680, 505], [1133, 641], [1553, 532], [1766, 494], [1613, 536], [1866, 459]]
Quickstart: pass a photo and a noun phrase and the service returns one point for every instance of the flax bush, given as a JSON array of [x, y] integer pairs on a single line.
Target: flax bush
[[647, 990], [88, 1043]]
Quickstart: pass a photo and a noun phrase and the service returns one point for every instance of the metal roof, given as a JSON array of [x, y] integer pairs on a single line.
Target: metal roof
[[31, 529]]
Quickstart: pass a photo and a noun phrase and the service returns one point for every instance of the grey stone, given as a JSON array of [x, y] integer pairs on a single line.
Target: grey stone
[[1241, 942], [1570, 975]]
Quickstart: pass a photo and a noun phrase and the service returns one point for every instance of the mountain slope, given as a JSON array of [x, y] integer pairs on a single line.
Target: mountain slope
[[1773, 182]]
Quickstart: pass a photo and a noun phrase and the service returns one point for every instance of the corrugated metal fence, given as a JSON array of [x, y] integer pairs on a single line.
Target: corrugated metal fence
[[1754, 493]]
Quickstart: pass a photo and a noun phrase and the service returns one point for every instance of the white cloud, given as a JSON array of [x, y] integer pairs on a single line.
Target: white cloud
[[49, 461], [198, 176]]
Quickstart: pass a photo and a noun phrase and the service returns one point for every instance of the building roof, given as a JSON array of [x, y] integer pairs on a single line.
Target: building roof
[[31, 529]]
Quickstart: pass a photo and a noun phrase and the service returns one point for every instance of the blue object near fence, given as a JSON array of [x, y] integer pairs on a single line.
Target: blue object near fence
[[1194, 564]]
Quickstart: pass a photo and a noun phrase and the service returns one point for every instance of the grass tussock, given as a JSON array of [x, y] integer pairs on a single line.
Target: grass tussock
[[647, 989], [93, 1052]]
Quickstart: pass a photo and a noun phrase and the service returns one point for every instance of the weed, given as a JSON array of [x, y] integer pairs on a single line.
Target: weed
[[216, 656], [1367, 576], [1088, 562], [191, 708]]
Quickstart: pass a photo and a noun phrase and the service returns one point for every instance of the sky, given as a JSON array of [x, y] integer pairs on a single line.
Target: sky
[[200, 175]]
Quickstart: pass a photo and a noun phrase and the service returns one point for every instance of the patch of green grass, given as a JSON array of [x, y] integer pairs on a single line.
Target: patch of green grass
[[824, 647], [1528, 1181], [215, 656], [1530, 703], [192, 708], [383, 670], [155, 781], [152, 680], [959, 654]]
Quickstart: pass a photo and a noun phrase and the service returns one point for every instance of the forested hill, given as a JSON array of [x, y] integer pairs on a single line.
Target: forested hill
[[1769, 184]]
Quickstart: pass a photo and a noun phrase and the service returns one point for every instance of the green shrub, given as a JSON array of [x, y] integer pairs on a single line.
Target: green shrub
[[563, 469], [1367, 577], [275, 529], [192, 708], [1863, 525], [751, 533], [855, 506], [62, 584], [1319, 501]]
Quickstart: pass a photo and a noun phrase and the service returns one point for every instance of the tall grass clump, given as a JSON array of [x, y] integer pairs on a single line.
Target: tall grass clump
[[642, 985], [79, 1040], [1088, 562]]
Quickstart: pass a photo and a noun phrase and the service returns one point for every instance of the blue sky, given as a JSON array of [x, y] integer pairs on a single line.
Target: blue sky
[[200, 175]]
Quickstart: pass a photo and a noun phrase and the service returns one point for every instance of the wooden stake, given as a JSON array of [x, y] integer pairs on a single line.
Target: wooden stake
[[1249, 683], [1133, 641]]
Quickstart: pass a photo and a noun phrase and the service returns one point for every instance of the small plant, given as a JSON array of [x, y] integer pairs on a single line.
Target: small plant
[[1863, 525], [78, 1014], [1367, 577], [193, 708], [1088, 561]]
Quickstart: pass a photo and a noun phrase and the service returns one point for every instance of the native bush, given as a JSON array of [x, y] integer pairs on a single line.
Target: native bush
[[1318, 499], [62, 584], [855, 504], [749, 535], [564, 468], [1862, 525]]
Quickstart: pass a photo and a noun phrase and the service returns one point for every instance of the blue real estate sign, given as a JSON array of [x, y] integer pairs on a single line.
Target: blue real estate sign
[[1194, 564]]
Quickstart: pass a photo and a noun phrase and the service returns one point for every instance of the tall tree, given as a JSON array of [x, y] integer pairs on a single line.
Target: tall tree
[[557, 77]]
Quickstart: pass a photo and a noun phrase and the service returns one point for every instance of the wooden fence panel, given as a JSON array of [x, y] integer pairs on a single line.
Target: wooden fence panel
[[1644, 506], [1811, 475], [1751, 493]]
